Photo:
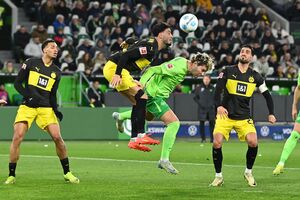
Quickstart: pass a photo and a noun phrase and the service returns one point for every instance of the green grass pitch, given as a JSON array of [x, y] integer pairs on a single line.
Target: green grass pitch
[[109, 170]]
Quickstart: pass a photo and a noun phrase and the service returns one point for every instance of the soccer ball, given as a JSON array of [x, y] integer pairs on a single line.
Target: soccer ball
[[188, 23]]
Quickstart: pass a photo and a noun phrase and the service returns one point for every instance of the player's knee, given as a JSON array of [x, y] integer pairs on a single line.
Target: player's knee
[[140, 95], [18, 136], [218, 140], [57, 138]]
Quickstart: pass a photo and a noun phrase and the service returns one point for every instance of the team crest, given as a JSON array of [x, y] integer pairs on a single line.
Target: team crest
[[143, 50], [53, 75], [251, 79], [24, 66]]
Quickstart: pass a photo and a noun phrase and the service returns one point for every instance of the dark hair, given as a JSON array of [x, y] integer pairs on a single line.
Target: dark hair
[[249, 47], [158, 28], [46, 42]]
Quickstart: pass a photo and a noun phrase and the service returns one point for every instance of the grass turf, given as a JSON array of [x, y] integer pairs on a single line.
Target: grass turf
[[109, 170]]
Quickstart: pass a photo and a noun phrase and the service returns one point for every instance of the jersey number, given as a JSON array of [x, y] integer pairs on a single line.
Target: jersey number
[[43, 82], [241, 88]]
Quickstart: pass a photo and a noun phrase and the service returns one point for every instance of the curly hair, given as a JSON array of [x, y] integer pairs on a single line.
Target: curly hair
[[203, 59]]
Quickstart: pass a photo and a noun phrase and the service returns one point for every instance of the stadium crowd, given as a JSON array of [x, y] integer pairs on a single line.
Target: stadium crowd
[[89, 31]]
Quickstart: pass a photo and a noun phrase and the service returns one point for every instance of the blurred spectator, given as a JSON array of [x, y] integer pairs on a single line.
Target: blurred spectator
[[263, 16], [204, 14], [257, 49], [139, 27], [194, 47], [211, 39], [205, 4], [99, 62], [293, 13], [59, 36], [273, 62], [222, 37], [279, 72], [40, 32], [236, 37], [224, 49], [4, 94], [31, 8], [59, 22], [128, 24], [95, 9], [271, 51], [95, 95], [116, 45], [226, 61], [248, 15], [93, 24], [88, 63], [252, 38], [33, 48], [143, 14], [204, 97], [80, 10], [110, 22], [1, 64], [9, 68], [71, 63], [21, 39], [221, 26], [126, 11], [100, 46], [287, 61], [86, 46], [172, 13], [268, 38], [261, 66], [68, 45], [62, 9], [116, 34], [105, 35], [218, 13], [115, 12], [47, 13], [284, 48], [75, 25], [179, 50], [291, 72]]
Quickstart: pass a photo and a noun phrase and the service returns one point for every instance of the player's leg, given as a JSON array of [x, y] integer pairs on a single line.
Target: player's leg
[[288, 148], [246, 131], [211, 130], [202, 130], [221, 131], [23, 121], [61, 150], [171, 121], [20, 129]]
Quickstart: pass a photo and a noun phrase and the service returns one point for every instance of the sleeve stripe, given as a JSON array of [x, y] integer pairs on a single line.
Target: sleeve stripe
[[263, 87]]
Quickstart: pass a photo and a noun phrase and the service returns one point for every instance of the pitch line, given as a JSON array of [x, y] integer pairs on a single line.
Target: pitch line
[[143, 161]]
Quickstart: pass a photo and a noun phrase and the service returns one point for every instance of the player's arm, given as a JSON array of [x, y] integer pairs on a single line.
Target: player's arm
[[53, 100], [295, 102], [221, 84], [21, 77], [265, 92]]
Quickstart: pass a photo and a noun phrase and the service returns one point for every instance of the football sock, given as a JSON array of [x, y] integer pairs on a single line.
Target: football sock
[[12, 169], [134, 131], [141, 115], [250, 156], [289, 146], [217, 158], [125, 115], [65, 164], [169, 139]]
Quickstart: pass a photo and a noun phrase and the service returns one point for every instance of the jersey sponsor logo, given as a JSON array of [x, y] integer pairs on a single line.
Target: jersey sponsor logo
[[241, 88], [251, 79], [43, 82], [264, 131], [170, 66], [221, 75], [192, 130], [143, 50]]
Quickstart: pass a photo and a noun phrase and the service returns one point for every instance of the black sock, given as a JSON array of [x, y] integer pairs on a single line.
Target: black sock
[[218, 158], [250, 156], [141, 115], [12, 169], [65, 164], [211, 130], [202, 130], [134, 128]]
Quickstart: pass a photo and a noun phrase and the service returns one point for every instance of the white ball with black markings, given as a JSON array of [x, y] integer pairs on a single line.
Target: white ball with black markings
[[188, 23]]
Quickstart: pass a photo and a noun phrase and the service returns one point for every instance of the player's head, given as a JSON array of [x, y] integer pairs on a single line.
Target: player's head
[[49, 48], [162, 31], [201, 63], [246, 54]]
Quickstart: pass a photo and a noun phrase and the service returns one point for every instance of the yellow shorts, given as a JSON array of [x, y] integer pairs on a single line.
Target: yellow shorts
[[43, 116], [127, 80], [242, 127]]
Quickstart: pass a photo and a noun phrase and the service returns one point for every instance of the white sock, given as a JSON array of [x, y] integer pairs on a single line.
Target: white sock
[[164, 160], [141, 135], [219, 174], [281, 163], [133, 139], [248, 171]]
